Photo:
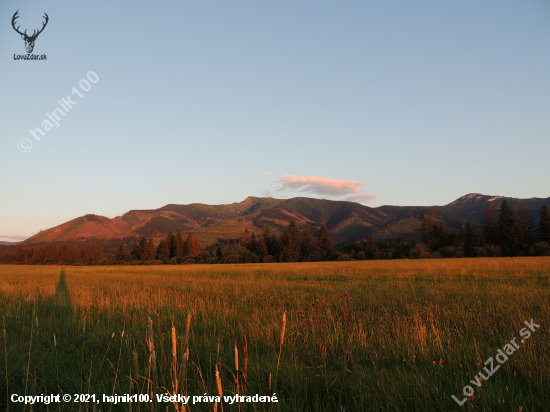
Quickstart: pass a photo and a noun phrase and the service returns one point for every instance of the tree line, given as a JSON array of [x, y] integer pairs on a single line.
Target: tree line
[[507, 233]]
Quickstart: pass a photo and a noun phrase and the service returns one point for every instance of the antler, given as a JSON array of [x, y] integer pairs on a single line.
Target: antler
[[15, 16], [44, 25]]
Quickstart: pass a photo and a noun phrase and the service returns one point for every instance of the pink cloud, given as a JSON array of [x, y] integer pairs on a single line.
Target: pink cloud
[[321, 185], [326, 187], [268, 173], [13, 237]]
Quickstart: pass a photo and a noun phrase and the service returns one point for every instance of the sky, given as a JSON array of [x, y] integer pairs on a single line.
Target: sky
[[400, 103]]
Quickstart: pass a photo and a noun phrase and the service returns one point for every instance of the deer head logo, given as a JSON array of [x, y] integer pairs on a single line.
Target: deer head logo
[[29, 40]]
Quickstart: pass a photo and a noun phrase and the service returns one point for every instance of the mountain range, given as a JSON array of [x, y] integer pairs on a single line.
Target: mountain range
[[347, 221]]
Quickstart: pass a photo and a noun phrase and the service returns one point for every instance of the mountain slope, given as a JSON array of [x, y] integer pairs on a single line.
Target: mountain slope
[[347, 221]]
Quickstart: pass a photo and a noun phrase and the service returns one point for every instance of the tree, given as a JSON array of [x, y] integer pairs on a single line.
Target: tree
[[271, 243], [142, 248], [522, 230], [469, 238], [119, 256], [150, 251], [291, 243], [324, 242], [459, 237], [195, 248], [246, 237], [428, 222], [489, 224], [308, 245], [544, 224], [163, 251], [180, 245], [505, 226], [219, 253], [171, 240], [369, 246], [398, 248]]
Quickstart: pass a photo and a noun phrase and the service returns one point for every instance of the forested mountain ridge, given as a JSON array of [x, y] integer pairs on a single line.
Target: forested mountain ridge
[[347, 221]]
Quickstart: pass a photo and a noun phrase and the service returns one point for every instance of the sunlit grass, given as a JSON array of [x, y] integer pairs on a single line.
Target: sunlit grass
[[375, 351]]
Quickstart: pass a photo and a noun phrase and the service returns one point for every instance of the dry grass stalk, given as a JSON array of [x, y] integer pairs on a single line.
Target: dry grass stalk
[[245, 357], [237, 368], [187, 328], [283, 329], [150, 334], [219, 384], [174, 361], [174, 352]]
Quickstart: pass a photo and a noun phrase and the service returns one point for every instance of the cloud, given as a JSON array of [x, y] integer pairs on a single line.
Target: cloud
[[320, 185], [13, 237], [326, 187], [268, 173], [361, 198]]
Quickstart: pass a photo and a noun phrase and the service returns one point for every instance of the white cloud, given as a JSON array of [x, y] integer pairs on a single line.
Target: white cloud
[[326, 187]]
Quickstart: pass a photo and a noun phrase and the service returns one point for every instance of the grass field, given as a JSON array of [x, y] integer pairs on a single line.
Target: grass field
[[408, 336]]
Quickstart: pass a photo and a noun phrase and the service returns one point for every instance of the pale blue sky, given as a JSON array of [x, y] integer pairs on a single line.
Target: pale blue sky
[[424, 101]]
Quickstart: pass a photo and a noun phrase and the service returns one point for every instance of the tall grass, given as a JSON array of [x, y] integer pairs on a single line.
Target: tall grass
[[372, 336]]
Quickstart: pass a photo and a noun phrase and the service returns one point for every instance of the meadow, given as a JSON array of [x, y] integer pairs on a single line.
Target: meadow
[[402, 335]]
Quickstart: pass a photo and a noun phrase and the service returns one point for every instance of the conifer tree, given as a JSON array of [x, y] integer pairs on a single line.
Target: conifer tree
[[180, 245], [195, 246], [151, 252], [544, 224], [369, 246], [246, 237], [219, 253], [459, 237], [489, 224], [163, 251], [171, 240], [469, 238], [324, 242], [142, 248], [309, 245], [120, 253], [523, 229], [271, 243], [189, 245], [291, 243], [505, 224]]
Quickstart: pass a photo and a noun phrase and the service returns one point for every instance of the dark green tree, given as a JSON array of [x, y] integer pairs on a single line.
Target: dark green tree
[[522, 231], [324, 242], [180, 245], [489, 224], [163, 250], [459, 236], [505, 224], [172, 245], [369, 247], [469, 238], [120, 253], [271, 243], [308, 243], [544, 225], [291, 243], [142, 248]]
